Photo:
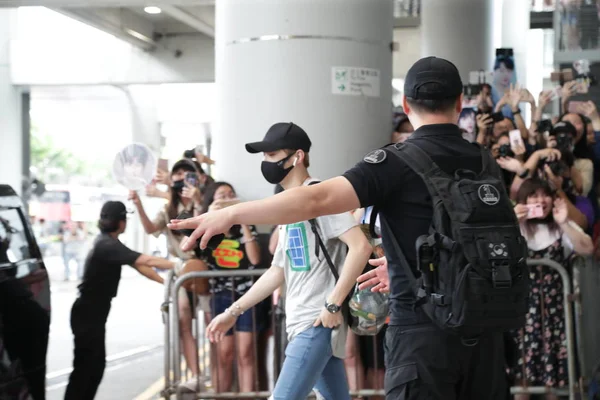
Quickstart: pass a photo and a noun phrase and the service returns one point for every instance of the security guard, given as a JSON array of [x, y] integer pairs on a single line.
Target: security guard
[[423, 362], [100, 283]]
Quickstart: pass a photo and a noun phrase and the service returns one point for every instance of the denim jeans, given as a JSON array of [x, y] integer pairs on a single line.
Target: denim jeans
[[309, 364]]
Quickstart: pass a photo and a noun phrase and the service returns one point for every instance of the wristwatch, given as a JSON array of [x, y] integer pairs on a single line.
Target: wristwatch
[[332, 308]]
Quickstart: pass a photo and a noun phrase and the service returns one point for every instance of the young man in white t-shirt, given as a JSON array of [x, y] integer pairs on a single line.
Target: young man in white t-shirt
[[315, 325]]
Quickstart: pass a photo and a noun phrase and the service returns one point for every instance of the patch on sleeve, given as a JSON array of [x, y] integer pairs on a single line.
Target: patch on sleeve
[[375, 157]]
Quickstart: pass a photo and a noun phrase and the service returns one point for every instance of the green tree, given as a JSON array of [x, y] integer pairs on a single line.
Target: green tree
[[51, 163]]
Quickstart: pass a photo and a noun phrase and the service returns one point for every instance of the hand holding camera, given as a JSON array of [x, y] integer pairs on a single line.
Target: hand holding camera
[[484, 121], [512, 165]]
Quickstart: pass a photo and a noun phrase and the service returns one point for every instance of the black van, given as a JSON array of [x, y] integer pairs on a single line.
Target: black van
[[24, 304]]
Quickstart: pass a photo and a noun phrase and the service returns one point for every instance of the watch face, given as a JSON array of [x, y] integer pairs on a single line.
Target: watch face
[[332, 308]]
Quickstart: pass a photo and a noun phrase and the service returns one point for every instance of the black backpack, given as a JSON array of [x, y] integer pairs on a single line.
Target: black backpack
[[473, 272]]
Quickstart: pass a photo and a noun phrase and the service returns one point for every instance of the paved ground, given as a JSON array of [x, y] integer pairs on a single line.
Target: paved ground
[[134, 336]]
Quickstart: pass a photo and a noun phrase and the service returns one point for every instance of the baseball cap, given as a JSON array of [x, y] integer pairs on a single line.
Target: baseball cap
[[184, 164], [432, 70], [113, 211], [281, 136]]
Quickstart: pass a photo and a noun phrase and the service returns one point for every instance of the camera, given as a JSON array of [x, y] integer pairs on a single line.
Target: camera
[[544, 125], [505, 151], [558, 167], [563, 142]]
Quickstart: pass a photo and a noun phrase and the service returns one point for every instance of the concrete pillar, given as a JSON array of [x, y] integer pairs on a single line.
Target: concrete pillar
[[145, 124], [276, 61], [11, 142], [461, 31]]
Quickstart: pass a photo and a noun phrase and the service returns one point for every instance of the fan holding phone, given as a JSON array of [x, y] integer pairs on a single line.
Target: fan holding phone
[[550, 234]]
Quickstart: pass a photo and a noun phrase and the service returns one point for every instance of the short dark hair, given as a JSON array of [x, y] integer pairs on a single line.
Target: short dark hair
[[433, 106], [108, 225], [506, 60]]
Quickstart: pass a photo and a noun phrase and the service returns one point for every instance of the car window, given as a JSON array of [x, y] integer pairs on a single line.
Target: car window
[[13, 233]]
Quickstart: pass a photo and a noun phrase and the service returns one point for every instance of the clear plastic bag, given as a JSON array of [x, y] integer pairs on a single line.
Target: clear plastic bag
[[368, 310]]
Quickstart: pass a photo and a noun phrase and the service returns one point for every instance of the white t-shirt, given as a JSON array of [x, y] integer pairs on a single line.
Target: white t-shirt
[[309, 280], [543, 237]]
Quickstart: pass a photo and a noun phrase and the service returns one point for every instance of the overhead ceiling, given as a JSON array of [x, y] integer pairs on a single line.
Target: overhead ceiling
[[127, 20]]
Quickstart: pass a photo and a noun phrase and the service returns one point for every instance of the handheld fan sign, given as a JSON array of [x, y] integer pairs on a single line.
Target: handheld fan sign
[[135, 166]]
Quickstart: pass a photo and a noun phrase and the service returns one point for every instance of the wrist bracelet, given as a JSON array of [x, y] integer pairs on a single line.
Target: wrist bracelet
[[516, 112], [525, 174], [252, 239], [232, 312]]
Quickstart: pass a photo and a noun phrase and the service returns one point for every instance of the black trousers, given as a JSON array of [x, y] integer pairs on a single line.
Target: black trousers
[[425, 363], [88, 323]]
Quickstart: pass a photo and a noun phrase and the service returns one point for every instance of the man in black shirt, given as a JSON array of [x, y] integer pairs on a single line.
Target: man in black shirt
[[422, 361], [100, 282]]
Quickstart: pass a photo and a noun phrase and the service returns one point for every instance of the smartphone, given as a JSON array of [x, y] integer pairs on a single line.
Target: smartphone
[[497, 117], [582, 86], [575, 106], [163, 164], [191, 178], [516, 141], [556, 93], [534, 211]]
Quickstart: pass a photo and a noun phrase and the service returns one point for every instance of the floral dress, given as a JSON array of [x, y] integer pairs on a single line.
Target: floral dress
[[541, 344]]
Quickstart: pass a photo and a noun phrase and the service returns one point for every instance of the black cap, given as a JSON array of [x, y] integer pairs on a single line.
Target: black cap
[[432, 70], [113, 211], [282, 136], [184, 164], [564, 127]]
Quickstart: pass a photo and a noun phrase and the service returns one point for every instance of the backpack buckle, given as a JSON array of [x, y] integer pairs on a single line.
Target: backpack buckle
[[501, 276], [438, 300]]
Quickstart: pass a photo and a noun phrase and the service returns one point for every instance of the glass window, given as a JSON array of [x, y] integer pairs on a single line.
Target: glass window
[[12, 231]]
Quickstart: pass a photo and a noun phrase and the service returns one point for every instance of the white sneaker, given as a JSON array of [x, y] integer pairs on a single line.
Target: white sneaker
[[195, 385]]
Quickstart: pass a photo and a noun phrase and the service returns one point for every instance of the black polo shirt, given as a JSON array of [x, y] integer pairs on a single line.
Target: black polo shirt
[[404, 201], [103, 264]]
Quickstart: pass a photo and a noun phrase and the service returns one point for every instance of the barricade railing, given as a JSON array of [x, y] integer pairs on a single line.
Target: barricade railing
[[173, 355], [173, 372], [573, 384], [165, 308]]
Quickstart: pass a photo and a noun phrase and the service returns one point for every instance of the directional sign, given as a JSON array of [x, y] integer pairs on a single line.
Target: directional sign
[[355, 81]]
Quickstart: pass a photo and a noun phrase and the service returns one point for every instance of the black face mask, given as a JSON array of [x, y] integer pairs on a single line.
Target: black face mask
[[274, 172], [178, 186]]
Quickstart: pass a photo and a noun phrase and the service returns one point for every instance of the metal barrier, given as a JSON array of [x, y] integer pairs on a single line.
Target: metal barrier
[[172, 368], [165, 308], [170, 312], [573, 384]]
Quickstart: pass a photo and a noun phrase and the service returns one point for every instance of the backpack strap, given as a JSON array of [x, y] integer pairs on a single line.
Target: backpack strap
[[319, 244], [313, 225], [417, 159]]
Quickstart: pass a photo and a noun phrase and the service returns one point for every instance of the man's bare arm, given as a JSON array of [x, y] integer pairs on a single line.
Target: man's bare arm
[[151, 261], [333, 196]]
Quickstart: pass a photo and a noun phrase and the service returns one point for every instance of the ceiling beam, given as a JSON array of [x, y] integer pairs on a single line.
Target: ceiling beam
[[101, 3], [122, 26], [188, 19]]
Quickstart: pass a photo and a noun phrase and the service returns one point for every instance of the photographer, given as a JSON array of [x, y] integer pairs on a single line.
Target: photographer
[[510, 159], [238, 251], [546, 164], [184, 196]]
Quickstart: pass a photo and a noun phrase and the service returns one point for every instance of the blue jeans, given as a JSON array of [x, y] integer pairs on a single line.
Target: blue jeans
[[309, 364]]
